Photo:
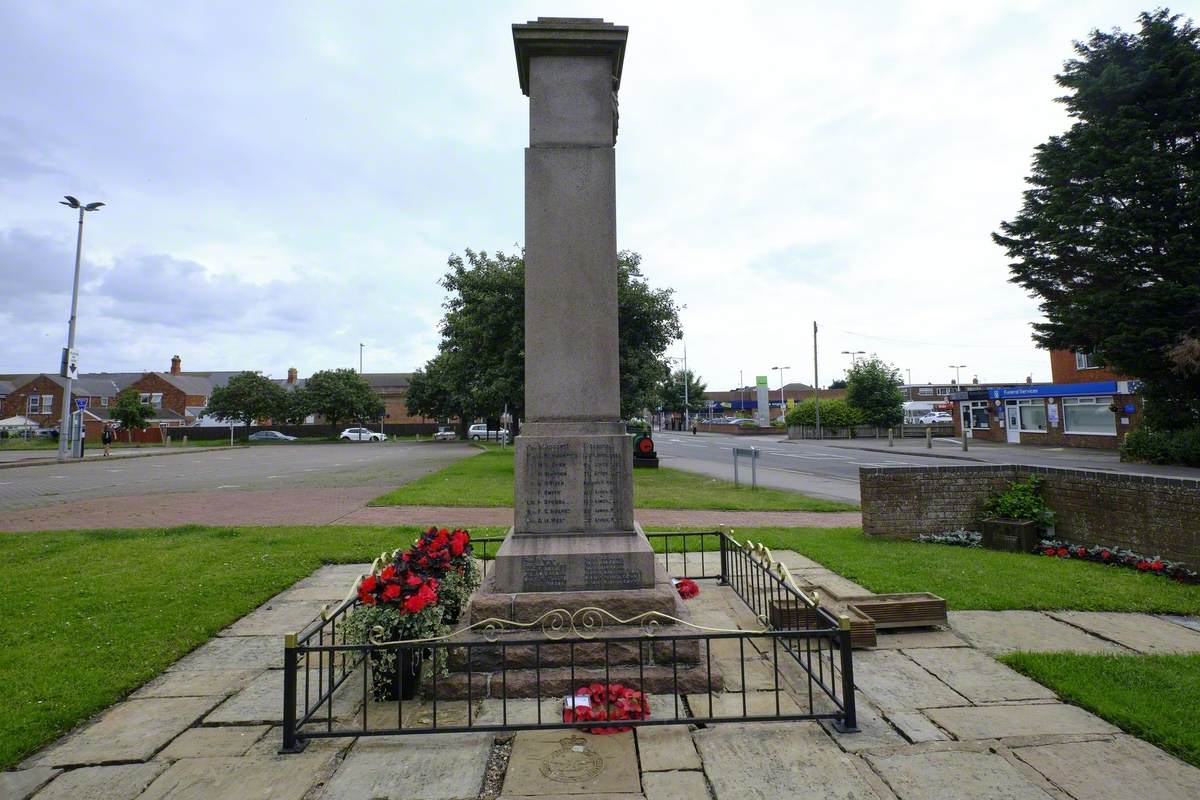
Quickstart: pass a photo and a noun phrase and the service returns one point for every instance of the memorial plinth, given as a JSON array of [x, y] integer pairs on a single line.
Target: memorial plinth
[[573, 529]]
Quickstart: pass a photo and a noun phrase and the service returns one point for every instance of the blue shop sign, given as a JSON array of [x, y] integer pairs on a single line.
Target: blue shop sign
[[1055, 390]]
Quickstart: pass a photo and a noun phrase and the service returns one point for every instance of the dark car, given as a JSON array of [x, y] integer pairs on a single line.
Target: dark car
[[271, 436]]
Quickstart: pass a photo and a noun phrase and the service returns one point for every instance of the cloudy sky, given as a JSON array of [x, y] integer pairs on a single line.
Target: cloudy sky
[[286, 180]]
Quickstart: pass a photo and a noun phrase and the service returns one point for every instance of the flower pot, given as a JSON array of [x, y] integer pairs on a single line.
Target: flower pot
[[395, 678], [1012, 535]]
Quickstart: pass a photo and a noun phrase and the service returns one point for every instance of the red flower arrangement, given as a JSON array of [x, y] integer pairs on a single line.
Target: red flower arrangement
[[1120, 557], [411, 580], [687, 588], [611, 702], [410, 592]]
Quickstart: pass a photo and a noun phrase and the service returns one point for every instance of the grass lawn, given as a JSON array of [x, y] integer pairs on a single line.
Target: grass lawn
[[1156, 698], [973, 578], [87, 617], [487, 480]]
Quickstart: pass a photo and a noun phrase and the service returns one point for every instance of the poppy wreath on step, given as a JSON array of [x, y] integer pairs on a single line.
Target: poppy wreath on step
[[687, 588], [607, 703]]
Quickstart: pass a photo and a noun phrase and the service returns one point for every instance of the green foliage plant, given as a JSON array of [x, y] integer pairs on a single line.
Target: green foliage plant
[[1163, 447], [341, 395], [873, 387], [129, 411], [1022, 500], [835, 413], [247, 397]]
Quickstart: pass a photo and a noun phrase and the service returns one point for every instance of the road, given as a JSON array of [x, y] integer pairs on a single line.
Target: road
[[294, 467], [829, 468]]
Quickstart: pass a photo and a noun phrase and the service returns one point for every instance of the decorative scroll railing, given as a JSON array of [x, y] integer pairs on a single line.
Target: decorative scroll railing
[[505, 675]]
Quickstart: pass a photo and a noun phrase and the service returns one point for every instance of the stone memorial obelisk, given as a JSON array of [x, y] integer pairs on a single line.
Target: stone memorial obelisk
[[574, 528]]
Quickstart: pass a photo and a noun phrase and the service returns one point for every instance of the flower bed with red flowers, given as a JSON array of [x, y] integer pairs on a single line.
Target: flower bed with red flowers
[[1118, 556], [609, 702], [687, 588]]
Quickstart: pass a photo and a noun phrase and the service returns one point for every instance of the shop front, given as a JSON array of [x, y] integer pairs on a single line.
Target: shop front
[[1096, 414]]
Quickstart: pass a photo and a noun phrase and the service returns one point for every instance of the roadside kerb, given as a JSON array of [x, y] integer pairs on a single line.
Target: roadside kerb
[[41, 462]]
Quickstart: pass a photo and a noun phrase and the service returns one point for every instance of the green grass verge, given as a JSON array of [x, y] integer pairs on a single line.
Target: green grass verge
[[973, 578], [487, 480], [1156, 698], [87, 617]]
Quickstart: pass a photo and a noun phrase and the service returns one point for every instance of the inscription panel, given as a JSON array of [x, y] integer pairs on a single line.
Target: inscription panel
[[610, 572], [548, 469], [600, 465], [544, 574]]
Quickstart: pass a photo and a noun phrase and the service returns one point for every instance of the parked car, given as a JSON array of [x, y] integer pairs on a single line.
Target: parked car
[[937, 418], [480, 431], [362, 435], [445, 433], [271, 436]]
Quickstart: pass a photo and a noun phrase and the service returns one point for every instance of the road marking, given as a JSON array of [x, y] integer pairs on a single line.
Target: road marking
[[114, 470], [269, 477], [228, 486], [684, 444]]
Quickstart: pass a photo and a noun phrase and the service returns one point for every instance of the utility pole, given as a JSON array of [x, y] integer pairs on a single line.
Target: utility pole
[[68, 357], [360, 352], [687, 418], [816, 382], [742, 390]]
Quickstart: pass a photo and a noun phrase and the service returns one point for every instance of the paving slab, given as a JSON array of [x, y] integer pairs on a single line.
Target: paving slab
[[977, 676], [22, 783], [675, 786], [245, 778], [261, 702], [122, 782], [130, 731], [1119, 769], [873, 729], [794, 561], [903, 639], [995, 722], [733, 704], [1191, 623], [766, 761], [1141, 632], [233, 740], [276, 618], [954, 775], [753, 672], [662, 748], [198, 683], [567, 762], [916, 727], [441, 767], [894, 682], [233, 652], [1008, 631]]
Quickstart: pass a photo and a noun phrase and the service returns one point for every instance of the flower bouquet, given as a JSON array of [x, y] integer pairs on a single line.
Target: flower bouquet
[[598, 702], [687, 588], [446, 555]]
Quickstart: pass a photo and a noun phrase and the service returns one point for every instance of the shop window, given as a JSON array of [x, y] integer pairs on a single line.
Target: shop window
[[1033, 415], [1089, 415], [1086, 361], [979, 415], [926, 391]]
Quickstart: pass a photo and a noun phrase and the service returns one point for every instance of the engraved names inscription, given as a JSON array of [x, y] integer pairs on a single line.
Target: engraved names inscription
[[601, 465], [610, 572], [543, 574], [547, 469]]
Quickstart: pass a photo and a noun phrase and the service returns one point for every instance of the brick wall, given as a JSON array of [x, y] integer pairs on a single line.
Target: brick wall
[[17, 403], [1063, 369], [1148, 514]]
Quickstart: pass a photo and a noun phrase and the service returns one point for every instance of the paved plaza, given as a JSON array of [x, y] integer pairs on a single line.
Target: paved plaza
[[940, 719]]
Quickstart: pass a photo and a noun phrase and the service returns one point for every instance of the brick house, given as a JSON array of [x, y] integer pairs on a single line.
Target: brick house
[[1084, 406], [40, 397]]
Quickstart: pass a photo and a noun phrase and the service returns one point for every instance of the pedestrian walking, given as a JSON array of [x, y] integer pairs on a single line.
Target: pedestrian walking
[[106, 438]]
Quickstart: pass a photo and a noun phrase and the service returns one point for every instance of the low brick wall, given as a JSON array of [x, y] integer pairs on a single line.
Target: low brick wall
[[1148, 514]]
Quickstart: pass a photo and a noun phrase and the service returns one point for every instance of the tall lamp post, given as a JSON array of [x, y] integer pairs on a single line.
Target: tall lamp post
[[854, 354], [956, 368], [360, 351], [68, 356], [782, 402], [686, 415]]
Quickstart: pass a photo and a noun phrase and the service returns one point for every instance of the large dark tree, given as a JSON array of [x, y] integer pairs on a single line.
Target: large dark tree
[[246, 397], [1109, 234], [480, 365], [342, 394], [873, 388]]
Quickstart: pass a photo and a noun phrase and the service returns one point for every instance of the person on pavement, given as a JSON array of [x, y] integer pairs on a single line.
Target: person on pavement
[[106, 438]]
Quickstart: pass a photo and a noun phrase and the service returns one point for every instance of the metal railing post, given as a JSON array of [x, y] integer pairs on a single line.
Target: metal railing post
[[724, 578], [849, 722], [290, 665]]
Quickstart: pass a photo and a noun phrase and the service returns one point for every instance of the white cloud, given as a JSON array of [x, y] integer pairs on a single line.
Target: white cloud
[[285, 181]]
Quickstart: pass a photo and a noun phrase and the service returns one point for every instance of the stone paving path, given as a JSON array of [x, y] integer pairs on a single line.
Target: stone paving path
[[940, 719]]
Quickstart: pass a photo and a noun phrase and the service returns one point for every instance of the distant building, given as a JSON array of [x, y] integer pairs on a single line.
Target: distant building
[[1084, 406]]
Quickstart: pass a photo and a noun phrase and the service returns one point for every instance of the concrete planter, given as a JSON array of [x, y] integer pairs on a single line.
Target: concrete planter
[[1012, 535]]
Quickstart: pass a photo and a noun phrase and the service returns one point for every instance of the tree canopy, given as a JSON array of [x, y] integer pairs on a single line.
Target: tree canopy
[[873, 387], [129, 411], [246, 398], [341, 395], [1108, 235], [480, 365], [670, 393]]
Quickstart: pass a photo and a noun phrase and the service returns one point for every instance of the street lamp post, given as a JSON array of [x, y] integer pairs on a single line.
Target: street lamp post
[[782, 402], [686, 416], [65, 419], [854, 354], [956, 368], [360, 352]]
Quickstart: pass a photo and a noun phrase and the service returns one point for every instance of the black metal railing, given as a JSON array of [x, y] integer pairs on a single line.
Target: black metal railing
[[795, 664]]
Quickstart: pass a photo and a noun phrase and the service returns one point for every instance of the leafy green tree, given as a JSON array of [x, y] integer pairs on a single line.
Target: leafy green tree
[[873, 387], [129, 411], [480, 365], [294, 406], [1107, 237], [247, 397], [342, 395], [836, 413], [840, 383], [670, 393]]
